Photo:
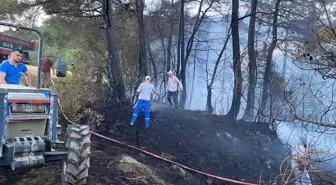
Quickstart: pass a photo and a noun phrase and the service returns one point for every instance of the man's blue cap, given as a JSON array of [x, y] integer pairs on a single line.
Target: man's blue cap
[[303, 138]]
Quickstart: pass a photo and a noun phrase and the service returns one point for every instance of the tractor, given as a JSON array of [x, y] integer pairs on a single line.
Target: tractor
[[29, 129]]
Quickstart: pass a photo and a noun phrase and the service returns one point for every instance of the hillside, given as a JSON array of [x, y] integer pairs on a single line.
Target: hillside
[[213, 144]]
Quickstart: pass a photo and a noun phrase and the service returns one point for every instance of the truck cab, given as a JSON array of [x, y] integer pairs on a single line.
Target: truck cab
[[7, 43]]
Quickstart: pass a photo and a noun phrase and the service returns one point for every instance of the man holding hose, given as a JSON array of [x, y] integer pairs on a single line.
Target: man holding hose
[[145, 89]]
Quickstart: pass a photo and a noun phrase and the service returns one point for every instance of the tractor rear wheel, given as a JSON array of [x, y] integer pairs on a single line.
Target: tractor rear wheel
[[77, 143]]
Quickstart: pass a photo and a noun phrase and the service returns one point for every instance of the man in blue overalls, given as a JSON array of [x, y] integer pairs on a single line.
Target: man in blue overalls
[[145, 89]]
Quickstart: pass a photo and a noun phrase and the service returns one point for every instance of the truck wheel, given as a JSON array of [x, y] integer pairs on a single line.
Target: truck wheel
[[77, 143]]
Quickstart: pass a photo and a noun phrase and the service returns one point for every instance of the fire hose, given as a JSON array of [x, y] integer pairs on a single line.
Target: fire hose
[[154, 155]]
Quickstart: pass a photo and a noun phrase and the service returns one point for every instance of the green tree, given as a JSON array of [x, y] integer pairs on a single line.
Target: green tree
[[101, 10], [9, 8]]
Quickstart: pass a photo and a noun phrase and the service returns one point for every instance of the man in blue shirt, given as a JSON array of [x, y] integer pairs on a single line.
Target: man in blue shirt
[[10, 70]]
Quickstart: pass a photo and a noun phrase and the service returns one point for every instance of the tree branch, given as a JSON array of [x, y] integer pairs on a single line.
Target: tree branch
[[249, 15]]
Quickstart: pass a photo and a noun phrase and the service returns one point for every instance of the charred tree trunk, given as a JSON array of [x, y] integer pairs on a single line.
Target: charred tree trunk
[[252, 66], [164, 54], [183, 64], [169, 48], [198, 22], [154, 74], [210, 108], [143, 66], [178, 63], [238, 81], [170, 40], [163, 44], [193, 78], [184, 60], [195, 28], [268, 69], [114, 69]]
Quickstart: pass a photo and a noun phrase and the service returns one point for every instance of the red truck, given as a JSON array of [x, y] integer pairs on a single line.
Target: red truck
[[7, 43]]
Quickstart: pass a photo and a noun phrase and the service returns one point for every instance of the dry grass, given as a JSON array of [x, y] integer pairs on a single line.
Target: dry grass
[[33, 71]]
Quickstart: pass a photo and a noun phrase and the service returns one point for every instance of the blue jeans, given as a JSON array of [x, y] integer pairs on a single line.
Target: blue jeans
[[141, 104]]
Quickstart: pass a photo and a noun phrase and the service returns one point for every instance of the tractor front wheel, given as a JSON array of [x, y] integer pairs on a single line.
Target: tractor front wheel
[[77, 143]]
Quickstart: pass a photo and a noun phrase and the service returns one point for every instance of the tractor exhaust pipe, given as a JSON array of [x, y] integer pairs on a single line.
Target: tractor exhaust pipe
[[17, 26]]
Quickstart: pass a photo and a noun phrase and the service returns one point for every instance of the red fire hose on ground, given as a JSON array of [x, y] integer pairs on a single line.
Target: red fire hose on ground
[[156, 156]]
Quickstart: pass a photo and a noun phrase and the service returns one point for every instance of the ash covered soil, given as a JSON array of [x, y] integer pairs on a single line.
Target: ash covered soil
[[214, 144]]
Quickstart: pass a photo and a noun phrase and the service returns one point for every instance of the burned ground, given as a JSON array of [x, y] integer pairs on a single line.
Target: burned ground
[[239, 150], [214, 144]]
